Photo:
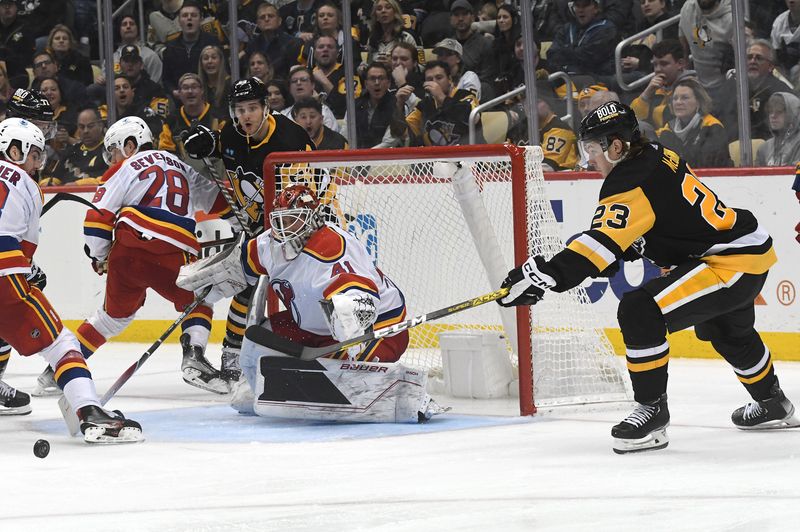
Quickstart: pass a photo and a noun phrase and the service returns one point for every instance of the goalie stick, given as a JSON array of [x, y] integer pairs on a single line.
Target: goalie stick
[[71, 418], [66, 196], [263, 336]]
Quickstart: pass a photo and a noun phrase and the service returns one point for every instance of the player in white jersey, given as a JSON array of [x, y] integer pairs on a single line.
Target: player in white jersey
[[313, 266], [145, 207], [27, 320]]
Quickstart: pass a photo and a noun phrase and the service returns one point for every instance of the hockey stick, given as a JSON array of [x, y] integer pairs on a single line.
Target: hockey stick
[[71, 417], [218, 242], [263, 336], [226, 193], [66, 196]]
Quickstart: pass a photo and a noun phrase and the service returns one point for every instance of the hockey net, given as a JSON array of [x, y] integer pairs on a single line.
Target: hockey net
[[443, 240]]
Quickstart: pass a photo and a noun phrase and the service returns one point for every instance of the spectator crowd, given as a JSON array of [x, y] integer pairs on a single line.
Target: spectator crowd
[[421, 67]]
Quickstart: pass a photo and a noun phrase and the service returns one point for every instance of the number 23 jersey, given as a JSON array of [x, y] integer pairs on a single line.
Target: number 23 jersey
[[655, 205], [332, 262]]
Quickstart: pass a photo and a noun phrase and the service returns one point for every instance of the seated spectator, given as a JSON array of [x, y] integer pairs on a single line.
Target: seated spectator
[[214, 76], [71, 63], [385, 31], [763, 84], [164, 25], [278, 96], [148, 93], [329, 75], [258, 66], [129, 36], [298, 18], [449, 51], [308, 113], [65, 115], [785, 37], [697, 136], [328, 22], [301, 86], [194, 109], [45, 67], [406, 69], [706, 31], [378, 122], [585, 46], [505, 37], [82, 163], [585, 98], [477, 50], [783, 148], [6, 90], [442, 117], [558, 140], [16, 42], [271, 40], [126, 104], [637, 57], [669, 67], [182, 53]]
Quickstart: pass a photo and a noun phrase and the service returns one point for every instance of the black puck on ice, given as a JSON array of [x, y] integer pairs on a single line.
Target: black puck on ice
[[41, 448]]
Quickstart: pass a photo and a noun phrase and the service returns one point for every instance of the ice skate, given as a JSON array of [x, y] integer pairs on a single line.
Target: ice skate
[[46, 384], [645, 429], [777, 412], [230, 370], [13, 402], [198, 372], [101, 426], [429, 409]]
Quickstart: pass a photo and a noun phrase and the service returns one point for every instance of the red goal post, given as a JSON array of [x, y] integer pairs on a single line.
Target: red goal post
[[446, 236]]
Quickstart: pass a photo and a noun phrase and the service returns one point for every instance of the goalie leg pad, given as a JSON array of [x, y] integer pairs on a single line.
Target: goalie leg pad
[[335, 390]]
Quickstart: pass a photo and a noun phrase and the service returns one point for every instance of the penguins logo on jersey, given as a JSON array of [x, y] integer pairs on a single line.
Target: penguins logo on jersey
[[441, 133], [248, 189]]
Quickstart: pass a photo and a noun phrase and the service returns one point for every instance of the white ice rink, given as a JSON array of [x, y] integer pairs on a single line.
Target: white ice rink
[[203, 467]]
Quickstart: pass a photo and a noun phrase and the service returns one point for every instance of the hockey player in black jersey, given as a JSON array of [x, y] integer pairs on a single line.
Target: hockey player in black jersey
[[653, 206], [243, 144]]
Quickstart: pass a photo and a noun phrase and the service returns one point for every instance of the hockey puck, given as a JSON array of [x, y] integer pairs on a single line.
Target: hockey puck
[[41, 448]]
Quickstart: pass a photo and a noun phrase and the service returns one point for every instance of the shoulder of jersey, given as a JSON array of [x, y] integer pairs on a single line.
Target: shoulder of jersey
[[634, 172], [326, 245]]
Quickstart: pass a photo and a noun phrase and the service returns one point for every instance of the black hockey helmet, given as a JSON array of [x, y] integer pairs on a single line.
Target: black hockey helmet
[[29, 104], [247, 89], [609, 121]]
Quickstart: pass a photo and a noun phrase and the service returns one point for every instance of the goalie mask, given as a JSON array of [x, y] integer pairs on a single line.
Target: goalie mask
[[294, 219], [610, 121]]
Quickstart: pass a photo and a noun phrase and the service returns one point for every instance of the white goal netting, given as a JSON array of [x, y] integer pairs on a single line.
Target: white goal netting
[[446, 234]]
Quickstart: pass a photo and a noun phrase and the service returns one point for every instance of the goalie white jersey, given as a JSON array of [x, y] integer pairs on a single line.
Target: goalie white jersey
[[20, 208], [332, 262], [154, 192]]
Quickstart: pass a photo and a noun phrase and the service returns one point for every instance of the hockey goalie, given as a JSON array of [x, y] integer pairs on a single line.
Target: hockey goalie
[[331, 292]]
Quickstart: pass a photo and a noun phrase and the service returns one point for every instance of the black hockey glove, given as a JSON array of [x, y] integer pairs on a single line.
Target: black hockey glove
[[200, 142], [527, 284], [37, 277]]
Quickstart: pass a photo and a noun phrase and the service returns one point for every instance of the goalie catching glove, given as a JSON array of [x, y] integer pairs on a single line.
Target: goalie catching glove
[[526, 283], [200, 141], [222, 271], [349, 316]]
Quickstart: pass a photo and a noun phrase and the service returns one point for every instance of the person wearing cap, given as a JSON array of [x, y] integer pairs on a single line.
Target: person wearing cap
[[450, 51], [477, 54], [148, 92], [585, 46], [129, 35], [16, 42]]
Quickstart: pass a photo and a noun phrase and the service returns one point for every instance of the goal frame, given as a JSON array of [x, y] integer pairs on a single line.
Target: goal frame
[[516, 156]]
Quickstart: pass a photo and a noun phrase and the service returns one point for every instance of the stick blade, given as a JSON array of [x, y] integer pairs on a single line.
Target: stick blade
[[263, 336]]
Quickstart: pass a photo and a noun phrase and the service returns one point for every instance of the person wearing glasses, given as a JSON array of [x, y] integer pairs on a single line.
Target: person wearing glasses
[[301, 85], [44, 67], [763, 84]]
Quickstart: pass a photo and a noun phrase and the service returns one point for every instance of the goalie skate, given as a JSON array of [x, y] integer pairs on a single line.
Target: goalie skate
[[100, 426], [645, 429], [777, 412], [230, 371], [198, 371], [13, 402], [46, 384]]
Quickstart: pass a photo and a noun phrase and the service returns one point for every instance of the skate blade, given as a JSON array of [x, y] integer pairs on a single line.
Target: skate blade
[[215, 385], [98, 435], [654, 441], [46, 392], [16, 411], [789, 422]]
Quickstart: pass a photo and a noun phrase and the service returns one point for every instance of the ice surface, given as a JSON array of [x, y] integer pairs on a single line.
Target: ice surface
[[203, 467]]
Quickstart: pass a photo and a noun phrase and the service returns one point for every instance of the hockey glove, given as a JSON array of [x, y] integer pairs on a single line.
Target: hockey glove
[[201, 142], [222, 270], [350, 316], [37, 277], [527, 284]]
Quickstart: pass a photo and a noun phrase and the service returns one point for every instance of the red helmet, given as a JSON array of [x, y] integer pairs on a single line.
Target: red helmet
[[294, 219], [296, 197]]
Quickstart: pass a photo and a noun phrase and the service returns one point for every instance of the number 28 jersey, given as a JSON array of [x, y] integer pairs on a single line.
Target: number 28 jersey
[[154, 192], [653, 204]]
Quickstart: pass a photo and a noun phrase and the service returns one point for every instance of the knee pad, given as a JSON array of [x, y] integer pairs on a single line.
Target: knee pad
[[65, 342], [640, 319]]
